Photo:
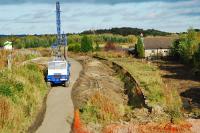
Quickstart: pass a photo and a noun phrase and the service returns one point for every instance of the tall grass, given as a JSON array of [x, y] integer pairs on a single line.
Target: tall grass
[[100, 109], [18, 56], [21, 94], [3, 58]]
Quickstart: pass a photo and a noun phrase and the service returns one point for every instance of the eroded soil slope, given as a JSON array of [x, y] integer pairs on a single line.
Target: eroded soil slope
[[98, 89], [97, 77]]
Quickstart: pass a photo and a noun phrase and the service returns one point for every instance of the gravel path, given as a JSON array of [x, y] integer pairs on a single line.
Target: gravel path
[[60, 109]]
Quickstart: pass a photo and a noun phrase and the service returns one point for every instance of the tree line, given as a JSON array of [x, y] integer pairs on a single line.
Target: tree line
[[125, 31], [29, 41], [33, 41], [103, 38]]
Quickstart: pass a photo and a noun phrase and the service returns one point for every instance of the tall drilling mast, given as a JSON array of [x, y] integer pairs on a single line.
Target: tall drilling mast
[[58, 22], [61, 38]]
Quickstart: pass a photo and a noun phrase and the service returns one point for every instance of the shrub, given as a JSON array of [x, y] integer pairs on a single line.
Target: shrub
[[86, 44], [76, 47], [6, 90]]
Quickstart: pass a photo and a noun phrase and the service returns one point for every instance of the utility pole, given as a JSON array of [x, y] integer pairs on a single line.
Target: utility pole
[[10, 61], [64, 38]]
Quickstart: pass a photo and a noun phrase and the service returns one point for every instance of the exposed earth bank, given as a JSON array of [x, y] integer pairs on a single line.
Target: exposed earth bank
[[107, 106]]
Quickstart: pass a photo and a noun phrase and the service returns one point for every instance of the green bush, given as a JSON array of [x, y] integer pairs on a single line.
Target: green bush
[[76, 47], [86, 44], [19, 87], [89, 113], [6, 90]]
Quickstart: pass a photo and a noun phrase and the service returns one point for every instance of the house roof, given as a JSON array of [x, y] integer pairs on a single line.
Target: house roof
[[158, 42], [7, 43]]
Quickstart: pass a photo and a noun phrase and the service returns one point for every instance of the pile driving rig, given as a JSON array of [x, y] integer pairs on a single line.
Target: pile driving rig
[[59, 67]]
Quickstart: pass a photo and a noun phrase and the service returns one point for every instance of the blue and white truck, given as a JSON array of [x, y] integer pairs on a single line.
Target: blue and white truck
[[58, 72]]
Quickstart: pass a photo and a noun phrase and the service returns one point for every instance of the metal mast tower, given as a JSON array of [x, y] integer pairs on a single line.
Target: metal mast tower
[[61, 38], [58, 22]]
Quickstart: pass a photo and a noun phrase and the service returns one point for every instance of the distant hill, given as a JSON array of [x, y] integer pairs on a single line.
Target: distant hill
[[128, 31], [119, 31], [1, 36], [197, 30]]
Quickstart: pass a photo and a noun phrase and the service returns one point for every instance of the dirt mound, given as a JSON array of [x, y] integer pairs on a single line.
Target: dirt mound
[[97, 77]]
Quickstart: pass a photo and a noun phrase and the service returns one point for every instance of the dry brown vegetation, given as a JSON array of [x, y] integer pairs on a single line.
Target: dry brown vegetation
[[3, 58], [18, 56]]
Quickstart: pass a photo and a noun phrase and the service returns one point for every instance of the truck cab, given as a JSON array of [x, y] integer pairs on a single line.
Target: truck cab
[[58, 72]]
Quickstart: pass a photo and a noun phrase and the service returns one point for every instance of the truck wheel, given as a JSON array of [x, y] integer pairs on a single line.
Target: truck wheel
[[66, 84]]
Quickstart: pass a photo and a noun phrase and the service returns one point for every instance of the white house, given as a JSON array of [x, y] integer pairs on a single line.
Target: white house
[[8, 45], [157, 46]]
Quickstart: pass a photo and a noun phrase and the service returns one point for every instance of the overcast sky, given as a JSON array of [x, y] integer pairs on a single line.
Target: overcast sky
[[38, 16]]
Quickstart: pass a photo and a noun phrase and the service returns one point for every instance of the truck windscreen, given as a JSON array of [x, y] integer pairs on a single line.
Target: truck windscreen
[[57, 65]]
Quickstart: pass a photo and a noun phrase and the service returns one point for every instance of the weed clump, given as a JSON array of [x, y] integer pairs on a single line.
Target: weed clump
[[100, 109]]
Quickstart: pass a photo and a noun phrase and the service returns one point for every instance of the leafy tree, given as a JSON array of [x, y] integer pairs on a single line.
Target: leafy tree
[[174, 52], [187, 49], [86, 44], [139, 47]]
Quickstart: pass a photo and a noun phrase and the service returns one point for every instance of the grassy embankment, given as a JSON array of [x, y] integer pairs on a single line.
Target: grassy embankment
[[22, 90], [18, 56], [157, 94]]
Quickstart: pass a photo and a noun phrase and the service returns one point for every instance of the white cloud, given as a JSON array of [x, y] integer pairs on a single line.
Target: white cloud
[[40, 18]]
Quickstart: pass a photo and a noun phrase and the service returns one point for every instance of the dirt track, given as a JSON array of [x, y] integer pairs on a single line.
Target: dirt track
[[60, 109]]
